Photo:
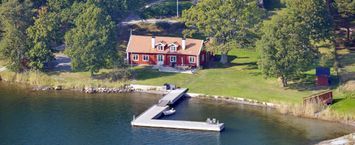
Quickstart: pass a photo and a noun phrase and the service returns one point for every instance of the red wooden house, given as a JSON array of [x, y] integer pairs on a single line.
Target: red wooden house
[[166, 51]]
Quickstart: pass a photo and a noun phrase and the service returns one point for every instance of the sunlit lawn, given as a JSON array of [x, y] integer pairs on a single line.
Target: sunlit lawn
[[239, 79], [345, 103]]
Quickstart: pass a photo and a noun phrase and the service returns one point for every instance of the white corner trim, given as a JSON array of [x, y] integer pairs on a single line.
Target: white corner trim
[[199, 52], [129, 42]]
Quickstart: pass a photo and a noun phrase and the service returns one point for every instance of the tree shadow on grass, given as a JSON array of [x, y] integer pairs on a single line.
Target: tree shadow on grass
[[231, 63], [307, 82], [337, 100], [347, 59], [114, 75], [147, 72]]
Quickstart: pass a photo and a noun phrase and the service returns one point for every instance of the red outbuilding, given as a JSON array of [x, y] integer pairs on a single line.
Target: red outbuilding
[[166, 51], [323, 76]]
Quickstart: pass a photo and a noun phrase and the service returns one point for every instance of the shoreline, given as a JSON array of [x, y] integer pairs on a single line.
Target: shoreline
[[295, 110], [160, 90], [298, 110]]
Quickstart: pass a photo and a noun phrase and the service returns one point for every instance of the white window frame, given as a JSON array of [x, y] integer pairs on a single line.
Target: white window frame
[[173, 48], [192, 58], [161, 56], [173, 56], [145, 56], [135, 57], [160, 47]]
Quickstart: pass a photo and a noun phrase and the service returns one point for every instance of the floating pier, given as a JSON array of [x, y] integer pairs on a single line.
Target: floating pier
[[149, 118]]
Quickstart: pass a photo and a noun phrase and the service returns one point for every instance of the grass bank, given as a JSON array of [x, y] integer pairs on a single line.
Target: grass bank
[[77, 80]]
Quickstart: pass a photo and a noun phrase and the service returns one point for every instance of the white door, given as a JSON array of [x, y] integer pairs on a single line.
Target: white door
[[160, 59]]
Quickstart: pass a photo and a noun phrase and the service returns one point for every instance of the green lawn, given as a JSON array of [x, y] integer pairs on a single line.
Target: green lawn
[[347, 60], [240, 79], [344, 103]]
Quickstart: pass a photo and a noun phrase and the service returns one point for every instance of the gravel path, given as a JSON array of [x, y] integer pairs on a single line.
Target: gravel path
[[61, 63], [133, 18], [149, 21]]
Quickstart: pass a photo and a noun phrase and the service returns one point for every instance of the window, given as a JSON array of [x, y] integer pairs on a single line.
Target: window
[[192, 59], [172, 48], [161, 47], [135, 57], [172, 58], [145, 57], [160, 58]]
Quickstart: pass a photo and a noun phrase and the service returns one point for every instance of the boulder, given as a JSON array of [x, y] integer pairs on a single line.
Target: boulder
[[58, 87]]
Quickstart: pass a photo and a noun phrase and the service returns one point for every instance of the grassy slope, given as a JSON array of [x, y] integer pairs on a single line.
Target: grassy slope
[[76, 80], [345, 105], [240, 79], [346, 100]]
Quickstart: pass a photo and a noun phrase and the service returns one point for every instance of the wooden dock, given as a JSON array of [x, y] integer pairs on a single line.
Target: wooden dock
[[149, 118]]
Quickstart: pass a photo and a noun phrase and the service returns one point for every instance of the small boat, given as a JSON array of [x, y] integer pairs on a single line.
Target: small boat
[[169, 112]]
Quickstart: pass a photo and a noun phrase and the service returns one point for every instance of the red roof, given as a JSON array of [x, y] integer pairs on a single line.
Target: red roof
[[143, 44]]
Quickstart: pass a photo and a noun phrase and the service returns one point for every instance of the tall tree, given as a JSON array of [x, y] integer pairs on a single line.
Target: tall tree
[[228, 22], [92, 43], [285, 48], [15, 18], [316, 16], [346, 10], [42, 34]]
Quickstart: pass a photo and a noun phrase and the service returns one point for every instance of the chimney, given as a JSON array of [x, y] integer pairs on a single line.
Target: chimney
[[183, 44], [153, 41]]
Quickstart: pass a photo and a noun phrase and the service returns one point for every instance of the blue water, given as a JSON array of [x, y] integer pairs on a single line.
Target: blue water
[[42, 118]]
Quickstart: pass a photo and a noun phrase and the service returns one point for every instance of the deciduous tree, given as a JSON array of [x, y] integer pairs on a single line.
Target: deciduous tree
[[225, 21], [42, 34], [15, 18], [346, 9], [315, 15], [91, 44], [285, 48]]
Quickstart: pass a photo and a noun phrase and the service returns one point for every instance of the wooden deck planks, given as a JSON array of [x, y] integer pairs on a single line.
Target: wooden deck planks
[[149, 117]]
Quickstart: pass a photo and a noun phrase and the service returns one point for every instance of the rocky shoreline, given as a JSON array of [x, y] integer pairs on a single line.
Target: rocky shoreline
[[344, 140], [157, 90]]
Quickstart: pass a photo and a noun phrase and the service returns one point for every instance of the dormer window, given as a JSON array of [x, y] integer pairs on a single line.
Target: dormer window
[[172, 48], [160, 47]]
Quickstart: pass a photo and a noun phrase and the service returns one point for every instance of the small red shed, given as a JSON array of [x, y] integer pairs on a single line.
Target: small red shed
[[323, 76]]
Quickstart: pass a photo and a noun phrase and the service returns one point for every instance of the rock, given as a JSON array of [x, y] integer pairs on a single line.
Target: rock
[[90, 90], [349, 86], [58, 88], [46, 88], [344, 140]]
